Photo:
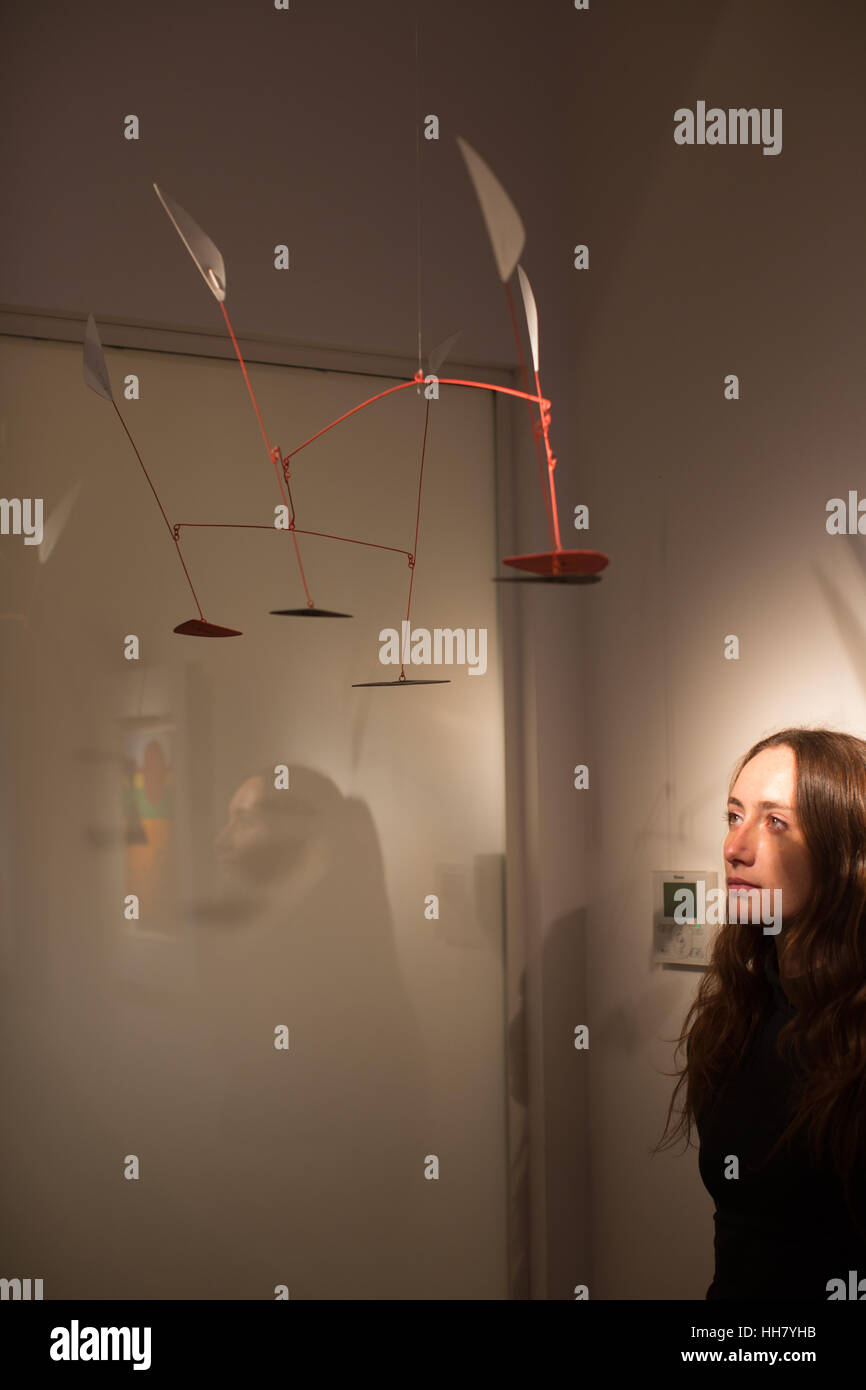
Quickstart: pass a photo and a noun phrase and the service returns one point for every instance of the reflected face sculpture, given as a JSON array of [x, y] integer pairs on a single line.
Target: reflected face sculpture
[[765, 846], [264, 834]]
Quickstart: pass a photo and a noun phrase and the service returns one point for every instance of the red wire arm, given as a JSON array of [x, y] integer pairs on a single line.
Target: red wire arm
[[537, 428], [443, 381], [274, 453]]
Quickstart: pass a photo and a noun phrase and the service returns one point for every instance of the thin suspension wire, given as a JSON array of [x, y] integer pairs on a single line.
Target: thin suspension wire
[[260, 526], [162, 509], [415, 551], [418, 177]]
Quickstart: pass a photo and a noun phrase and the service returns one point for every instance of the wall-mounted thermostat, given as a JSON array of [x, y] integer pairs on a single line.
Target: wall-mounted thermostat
[[680, 933]]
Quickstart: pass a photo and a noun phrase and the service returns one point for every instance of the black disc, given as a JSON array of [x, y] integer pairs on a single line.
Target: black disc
[[357, 684], [308, 613]]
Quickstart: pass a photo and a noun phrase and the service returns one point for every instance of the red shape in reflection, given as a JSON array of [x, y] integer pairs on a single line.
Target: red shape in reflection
[[153, 769]]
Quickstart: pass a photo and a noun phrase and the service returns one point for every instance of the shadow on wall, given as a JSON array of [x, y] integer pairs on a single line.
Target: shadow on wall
[[260, 1166], [550, 1092], [321, 1144]]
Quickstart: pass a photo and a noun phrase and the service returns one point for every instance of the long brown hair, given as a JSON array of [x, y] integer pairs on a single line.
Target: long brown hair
[[825, 1039]]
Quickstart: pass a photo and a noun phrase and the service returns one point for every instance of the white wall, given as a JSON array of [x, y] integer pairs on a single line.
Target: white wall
[[713, 512]]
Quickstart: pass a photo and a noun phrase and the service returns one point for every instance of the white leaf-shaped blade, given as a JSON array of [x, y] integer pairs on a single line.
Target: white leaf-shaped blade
[[531, 312], [56, 522], [504, 227], [95, 371], [438, 355], [199, 246]]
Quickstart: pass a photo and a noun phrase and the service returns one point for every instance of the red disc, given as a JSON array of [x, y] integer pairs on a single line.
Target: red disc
[[197, 627], [560, 562]]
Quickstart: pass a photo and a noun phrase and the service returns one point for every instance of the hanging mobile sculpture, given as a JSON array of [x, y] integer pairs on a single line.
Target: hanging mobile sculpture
[[507, 237]]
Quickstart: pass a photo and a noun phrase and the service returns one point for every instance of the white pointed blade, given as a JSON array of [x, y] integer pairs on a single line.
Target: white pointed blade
[[56, 522], [199, 246], [95, 371], [438, 355], [504, 227], [531, 312]]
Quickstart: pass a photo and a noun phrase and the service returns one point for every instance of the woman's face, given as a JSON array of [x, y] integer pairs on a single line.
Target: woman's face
[[264, 837], [765, 846]]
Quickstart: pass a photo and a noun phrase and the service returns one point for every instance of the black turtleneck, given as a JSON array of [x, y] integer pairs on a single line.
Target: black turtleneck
[[782, 1230]]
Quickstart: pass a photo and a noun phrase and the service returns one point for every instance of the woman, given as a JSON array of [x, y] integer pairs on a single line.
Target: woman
[[775, 1074]]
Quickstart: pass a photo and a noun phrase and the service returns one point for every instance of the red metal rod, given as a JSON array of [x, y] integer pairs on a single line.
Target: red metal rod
[[271, 452], [551, 463], [443, 381], [537, 425]]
